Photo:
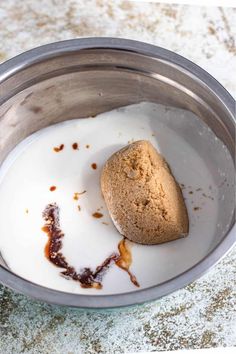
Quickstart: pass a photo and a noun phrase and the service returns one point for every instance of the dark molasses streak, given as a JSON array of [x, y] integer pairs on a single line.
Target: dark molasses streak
[[87, 277]]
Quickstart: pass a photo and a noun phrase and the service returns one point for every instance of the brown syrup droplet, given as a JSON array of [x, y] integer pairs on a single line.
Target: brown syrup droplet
[[125, 260], [79, 207], [196, 208], [190, 192], [45, 229], [58, 148], [94, 166], [82, 192], [207, 196], [77, 194], [55, 235], [97, 215], [75, 146], [53, 188], [87, 146]]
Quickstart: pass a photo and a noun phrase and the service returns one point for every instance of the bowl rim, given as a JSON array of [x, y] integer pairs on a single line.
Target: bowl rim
[[21, 285]]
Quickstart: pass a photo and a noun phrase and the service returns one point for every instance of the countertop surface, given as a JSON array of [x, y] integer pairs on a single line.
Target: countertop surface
[[201, 315]]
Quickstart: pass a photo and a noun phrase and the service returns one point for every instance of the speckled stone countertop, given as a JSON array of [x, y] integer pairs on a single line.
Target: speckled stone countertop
[[203, 314]]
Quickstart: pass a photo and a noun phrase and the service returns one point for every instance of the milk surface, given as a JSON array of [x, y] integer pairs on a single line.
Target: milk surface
[[34, 166]]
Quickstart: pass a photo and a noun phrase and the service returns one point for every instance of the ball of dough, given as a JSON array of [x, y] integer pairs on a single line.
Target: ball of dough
[[143, 198]]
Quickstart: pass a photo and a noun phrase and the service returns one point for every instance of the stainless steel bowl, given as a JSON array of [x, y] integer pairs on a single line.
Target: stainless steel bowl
[[82, 77]]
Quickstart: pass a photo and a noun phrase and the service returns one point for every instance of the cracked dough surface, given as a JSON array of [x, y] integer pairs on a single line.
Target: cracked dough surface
[[143, 198]]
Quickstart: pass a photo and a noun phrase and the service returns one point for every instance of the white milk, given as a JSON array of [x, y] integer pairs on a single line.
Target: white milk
[[33, 167]]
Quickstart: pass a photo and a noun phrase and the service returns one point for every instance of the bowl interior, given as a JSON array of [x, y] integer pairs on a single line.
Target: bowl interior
[[91, 81]]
